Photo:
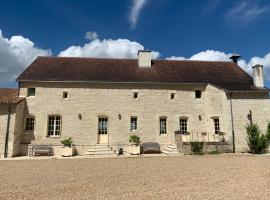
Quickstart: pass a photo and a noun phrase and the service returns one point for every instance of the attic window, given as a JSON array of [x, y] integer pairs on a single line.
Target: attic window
[[198, 94], [135, 95], [31, 92], [172, 96], [65, 95]]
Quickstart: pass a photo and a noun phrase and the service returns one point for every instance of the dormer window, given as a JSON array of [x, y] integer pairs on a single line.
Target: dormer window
[[31, 92]]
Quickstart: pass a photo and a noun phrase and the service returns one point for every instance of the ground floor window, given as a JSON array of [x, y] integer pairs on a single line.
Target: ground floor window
[[54, 125], [162, 125], [183, 125], [133, 124], [216, 125], [102, 125], [29, 123]]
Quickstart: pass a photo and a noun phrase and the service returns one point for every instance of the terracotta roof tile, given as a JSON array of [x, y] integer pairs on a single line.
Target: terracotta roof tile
[[9, 96], [227, 75]]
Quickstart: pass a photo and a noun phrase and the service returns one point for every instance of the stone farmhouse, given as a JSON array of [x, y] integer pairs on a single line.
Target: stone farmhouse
[[104, 101]]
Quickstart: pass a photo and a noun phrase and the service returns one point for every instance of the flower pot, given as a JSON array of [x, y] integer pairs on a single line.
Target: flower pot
[[67, 151], [134, 149]]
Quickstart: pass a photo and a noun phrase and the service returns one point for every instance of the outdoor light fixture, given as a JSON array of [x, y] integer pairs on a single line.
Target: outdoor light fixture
[[119, 116], [79, 116], [200, 117]]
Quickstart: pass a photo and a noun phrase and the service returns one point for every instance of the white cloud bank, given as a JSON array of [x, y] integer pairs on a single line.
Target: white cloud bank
[[107, 48], [136, 8], [211, 55], [16, 54]]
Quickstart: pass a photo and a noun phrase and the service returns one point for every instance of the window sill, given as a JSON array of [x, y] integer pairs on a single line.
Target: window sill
[[53, 136]]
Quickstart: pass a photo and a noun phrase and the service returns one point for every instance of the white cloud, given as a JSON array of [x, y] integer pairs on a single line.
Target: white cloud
[[211, 55], [208, 55], [91, 35], [107, 48], [136, 8], [245, 12], [16, 54]]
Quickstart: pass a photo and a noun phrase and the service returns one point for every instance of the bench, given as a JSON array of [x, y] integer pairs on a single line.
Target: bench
[[37, 149], [150, 147]]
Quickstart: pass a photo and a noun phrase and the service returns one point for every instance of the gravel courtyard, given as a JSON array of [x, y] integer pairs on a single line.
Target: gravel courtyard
[[187, 177]]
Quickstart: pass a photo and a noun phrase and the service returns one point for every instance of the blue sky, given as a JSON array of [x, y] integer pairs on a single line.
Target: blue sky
[[193, 29]]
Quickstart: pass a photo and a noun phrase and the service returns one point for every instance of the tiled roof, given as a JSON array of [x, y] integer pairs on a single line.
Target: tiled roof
[[9, 96], [227, 75]]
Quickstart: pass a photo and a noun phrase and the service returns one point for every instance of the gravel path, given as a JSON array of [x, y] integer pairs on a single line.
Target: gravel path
[[187, 177]]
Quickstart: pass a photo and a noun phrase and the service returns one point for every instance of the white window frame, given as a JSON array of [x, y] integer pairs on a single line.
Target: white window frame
[[54, 125], [103, 130], [162, 128], [133, 123], [216, 125], [183, 126], [25, 123]]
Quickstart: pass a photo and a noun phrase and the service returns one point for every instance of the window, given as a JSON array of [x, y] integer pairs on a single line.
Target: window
[[29, 123], [216, 125], [183, 125], [163, 125], [54, 126], [172, 96], [135, 95], [65, 95], [133, 124], [198, 94], [102, 125], [31, 92]]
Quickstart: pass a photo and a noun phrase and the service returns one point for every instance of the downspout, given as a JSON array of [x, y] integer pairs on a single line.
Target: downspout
[[233, 135], [7, 132]]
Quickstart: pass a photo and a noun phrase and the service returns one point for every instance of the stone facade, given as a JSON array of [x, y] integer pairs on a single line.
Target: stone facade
[[88, 101]]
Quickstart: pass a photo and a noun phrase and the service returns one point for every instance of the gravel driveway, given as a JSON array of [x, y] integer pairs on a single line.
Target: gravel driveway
[[187, 177]]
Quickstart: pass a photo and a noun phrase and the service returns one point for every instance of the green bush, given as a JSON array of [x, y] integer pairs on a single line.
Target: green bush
[[197, 147], [67, 142], [214, 152], [134, 139], [258, 143]]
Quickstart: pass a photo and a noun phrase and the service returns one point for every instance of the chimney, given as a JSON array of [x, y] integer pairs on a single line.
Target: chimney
[[144, 58], [258, 76], [235, 58]]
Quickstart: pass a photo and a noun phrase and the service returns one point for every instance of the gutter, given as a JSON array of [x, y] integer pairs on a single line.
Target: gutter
[[7, 132], [233, 133]]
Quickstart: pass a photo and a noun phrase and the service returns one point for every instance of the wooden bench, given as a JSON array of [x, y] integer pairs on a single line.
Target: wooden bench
[[37, 149], [150, 147]]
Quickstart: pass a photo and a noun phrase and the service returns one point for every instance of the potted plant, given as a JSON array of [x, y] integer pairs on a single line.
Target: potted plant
[[134, 147], [68, 147]]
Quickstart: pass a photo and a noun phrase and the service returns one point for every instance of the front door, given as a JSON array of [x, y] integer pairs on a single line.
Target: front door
[[103, 136]]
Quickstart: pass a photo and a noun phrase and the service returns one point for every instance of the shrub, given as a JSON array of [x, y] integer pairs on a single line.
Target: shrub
[[197, 147], [268, 132], [258, 143], [67, 142], [214, 152], [134, 139]]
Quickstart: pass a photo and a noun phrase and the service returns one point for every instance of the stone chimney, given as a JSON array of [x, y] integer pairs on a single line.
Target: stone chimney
[[258, 75], [144, 58]]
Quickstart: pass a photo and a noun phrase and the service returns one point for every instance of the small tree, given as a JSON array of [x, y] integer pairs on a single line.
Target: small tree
[[134, 139], [258, 143]]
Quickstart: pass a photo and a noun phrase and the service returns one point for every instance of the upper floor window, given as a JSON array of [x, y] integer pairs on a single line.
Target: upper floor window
[[183, 125], [102, 125], [198, 94], [31, 92], [65, 95], [172, 96], [135, 95], [133, 124], [162, 125], [216, 125], [29, 123], [54, 125]]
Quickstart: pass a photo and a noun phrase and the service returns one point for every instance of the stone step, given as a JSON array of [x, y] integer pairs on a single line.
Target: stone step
[[100, 153], [100, 149]]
